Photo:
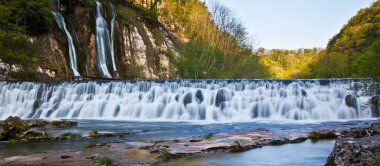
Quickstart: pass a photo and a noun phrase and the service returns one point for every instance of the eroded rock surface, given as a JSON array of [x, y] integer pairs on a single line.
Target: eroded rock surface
[[357, 147]]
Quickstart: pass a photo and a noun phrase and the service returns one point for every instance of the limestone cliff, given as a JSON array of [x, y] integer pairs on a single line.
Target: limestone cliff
[[141, 46]]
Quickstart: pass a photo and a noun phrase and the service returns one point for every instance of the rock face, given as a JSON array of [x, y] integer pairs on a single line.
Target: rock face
[[375, 106], [141, 47], [357, 147]]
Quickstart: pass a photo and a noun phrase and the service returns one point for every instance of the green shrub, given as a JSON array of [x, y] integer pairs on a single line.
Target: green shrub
[[86, 145], [71, 135], [238, 148], [94, 134], [208, 136], [376, 160], [105, 161], [166, 155]]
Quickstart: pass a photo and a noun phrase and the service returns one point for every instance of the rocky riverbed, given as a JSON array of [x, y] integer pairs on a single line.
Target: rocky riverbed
[[355, 146]]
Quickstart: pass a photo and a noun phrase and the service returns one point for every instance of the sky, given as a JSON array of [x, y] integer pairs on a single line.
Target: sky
[[293, 24]]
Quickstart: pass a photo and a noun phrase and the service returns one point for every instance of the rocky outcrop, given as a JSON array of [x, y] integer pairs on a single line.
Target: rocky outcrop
[[50, 124], [11, 127], [15, 129], [375, 106], [357, 147]]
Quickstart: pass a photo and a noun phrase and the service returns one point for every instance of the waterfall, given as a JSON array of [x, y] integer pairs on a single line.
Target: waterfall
[[73, 57], [114, 14], [102, 40], [190, 100]]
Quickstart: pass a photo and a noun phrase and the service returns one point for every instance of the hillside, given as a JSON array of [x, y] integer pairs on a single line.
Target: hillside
[[355, 51]]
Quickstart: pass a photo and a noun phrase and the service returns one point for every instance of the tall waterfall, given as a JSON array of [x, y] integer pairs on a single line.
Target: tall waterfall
[[102, 40], [73, 57], [114, 14], [203, 100]]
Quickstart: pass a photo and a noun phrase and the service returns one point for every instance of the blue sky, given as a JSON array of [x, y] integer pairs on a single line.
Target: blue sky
[[292, 24]]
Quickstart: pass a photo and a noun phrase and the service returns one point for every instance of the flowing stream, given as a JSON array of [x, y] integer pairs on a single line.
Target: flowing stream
[[185, 100], [73, 57]]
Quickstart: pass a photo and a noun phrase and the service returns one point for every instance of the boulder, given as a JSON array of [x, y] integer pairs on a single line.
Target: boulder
[[375, 106], [355, 152], [351, 101], [11, 127], [357, 147]]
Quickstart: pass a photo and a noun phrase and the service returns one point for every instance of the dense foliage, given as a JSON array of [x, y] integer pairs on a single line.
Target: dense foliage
[[216, 44], [355, 51], [198, 60], [18, 19], [32, 16], [289, 63]]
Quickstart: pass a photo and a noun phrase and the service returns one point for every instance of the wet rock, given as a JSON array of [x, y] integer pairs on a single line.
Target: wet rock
[[187, 99], [66, 157], [357, 147], [351, 101], [304, 93], [230, 142], [63, 123], [69, 135], [31, 136], [362, 132], [323, 135], [199, 96], [221, 97], [51, 124], [375, 106], [11, 127], [96, 134], [355, 152]]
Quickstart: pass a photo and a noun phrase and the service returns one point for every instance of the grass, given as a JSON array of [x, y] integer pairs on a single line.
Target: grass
[[105, 161], [86, 145], [376, 160], [165, 155], [208, 136]]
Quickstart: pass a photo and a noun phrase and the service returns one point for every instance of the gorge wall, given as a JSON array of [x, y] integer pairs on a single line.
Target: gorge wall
[[141, 46]]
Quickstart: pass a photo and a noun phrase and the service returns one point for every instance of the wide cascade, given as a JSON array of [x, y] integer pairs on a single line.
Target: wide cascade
[[102, 40], [203, 100], [73, 57]]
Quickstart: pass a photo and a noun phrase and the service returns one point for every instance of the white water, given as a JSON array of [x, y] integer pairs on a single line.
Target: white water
[[73, 57], [102, 41], [215, 101], [114, 14]]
